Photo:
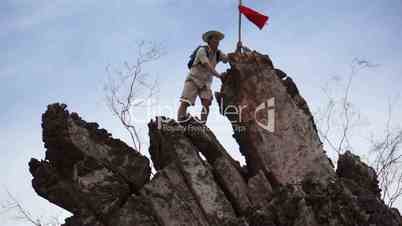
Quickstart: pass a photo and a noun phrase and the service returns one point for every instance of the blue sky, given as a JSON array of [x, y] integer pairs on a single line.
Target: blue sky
[[57, 51]]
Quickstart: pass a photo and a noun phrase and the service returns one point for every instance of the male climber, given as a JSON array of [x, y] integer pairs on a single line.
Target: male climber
[[202, 69]]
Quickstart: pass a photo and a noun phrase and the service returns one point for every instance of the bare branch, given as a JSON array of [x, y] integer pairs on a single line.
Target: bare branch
[[128, 90], [338, 118], [388, 160], [22, 214]]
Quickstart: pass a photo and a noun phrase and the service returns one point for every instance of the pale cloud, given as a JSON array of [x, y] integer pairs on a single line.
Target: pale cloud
[[28, 15]]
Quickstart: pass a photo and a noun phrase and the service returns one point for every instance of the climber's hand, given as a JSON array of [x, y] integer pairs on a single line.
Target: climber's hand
[[223, 76], [218, 75]]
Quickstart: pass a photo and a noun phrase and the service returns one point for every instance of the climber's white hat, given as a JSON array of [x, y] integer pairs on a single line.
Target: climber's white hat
[[207, 35]]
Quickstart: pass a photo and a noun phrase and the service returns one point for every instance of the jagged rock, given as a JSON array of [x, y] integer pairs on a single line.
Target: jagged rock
[[260, 190], [197, 173], [350, 167], [70, 139], [85, 171], [233, 183], [271, 121], [288, 179], [80, 220], [136, 211], [361, 181], [172, 200]]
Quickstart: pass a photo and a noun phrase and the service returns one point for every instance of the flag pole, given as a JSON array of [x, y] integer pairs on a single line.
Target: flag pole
[[239, 49]]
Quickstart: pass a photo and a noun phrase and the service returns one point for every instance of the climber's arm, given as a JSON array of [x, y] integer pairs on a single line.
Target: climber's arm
[[205, 62], [212, 70], [223, 57]]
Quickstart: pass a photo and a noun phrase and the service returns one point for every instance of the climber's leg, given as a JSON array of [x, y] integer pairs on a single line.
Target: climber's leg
[[205, 109], [187, 98], [206, 100], [182, 112]]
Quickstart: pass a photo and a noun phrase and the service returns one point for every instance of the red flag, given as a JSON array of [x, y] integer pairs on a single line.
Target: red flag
[[254, 16]]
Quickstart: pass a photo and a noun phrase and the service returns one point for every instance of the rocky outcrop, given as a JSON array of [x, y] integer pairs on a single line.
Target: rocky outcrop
[[86, 171], [288, 179], [174, 147], [272, 122]]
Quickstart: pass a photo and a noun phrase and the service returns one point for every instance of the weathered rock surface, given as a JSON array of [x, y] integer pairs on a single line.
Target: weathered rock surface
[[167, 137], [288, 179], [86, 171], [273, 124]]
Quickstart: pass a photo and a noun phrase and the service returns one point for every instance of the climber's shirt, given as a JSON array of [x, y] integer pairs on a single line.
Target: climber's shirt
[[199, 73]]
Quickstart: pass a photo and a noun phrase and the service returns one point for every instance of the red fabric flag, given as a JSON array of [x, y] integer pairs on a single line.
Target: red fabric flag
[[254, 16]]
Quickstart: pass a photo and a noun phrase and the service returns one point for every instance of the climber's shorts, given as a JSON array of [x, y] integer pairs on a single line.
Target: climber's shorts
[[191, 91]]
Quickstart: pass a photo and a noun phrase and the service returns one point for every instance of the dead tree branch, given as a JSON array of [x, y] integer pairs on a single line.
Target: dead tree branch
[[339, 116], [14, 206], [388, 160], [129, 89]]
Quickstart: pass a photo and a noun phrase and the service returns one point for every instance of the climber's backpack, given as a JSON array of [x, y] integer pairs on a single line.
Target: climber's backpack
[[192, 56]]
